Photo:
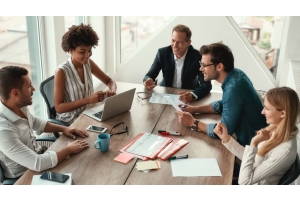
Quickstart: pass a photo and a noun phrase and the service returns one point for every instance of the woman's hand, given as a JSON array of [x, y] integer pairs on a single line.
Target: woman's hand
[[222, 132], [261, 135], [96, 97], [77, 146]]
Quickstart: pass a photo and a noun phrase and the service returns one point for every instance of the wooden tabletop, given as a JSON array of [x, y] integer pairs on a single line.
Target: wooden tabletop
[[92, 167]]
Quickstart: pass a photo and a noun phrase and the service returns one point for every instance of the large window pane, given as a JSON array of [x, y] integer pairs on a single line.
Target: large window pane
[[134, 30], [264, 33], [19, 46]]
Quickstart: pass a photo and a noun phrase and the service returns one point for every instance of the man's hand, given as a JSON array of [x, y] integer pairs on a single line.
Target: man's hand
[[186, 97], [149, 84], [188, 108], [222, 132], [185, 118], [71, 131], [77, 146]]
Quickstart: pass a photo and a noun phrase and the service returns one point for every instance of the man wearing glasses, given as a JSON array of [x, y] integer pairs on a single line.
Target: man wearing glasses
[[179, 63], [240, 105]]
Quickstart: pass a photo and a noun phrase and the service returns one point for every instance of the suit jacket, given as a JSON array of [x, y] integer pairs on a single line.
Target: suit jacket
[[192, 78]]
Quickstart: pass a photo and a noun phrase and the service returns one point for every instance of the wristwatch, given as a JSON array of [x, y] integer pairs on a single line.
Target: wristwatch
[[195, 125]]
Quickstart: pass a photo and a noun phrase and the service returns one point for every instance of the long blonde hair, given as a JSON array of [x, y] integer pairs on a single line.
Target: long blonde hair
[[282, 98]]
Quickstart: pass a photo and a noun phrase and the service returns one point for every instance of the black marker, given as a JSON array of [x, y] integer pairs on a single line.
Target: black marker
[[178, 157]]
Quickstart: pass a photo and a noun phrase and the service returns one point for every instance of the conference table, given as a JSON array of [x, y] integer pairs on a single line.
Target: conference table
[[92, 167]]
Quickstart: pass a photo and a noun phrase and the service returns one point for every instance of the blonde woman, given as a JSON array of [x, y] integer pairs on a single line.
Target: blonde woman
[[273, 150]]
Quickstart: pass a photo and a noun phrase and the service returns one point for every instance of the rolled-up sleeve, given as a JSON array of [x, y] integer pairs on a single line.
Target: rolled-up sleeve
[[18, 152], [218, 108]]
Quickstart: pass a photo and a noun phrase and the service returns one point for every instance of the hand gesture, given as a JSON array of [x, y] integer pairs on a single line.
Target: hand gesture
[[77, 146], [261, 135], [149, 84], [71, 131], [188, 108], [110, 93], [185, 118], [222, 132], [96, 97], [186, 97]]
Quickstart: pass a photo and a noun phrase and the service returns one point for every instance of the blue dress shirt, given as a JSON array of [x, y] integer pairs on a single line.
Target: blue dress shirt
[[240, 108]]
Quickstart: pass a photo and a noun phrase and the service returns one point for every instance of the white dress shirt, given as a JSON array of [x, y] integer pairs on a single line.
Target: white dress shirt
[[18, 146], [178, 72]]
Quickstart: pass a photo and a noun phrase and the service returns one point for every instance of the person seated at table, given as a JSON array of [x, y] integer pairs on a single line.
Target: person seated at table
[[179, 63], [273, 150], [18, 149], [240, 105], [73, 84]]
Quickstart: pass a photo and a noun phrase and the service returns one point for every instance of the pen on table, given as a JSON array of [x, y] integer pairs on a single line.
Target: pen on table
[[169, 132], [178, 157]]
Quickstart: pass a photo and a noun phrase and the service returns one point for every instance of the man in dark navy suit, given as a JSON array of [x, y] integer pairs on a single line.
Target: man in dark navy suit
[[180, 66]]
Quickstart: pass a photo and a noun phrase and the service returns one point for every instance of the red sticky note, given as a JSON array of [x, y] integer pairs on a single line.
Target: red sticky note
[[124, 158]]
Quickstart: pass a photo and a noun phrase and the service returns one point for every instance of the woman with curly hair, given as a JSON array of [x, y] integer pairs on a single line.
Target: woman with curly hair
[[273, 150], [73, 85]]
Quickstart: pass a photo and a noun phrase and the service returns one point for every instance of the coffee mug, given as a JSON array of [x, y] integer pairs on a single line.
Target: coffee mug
[[102, 142]]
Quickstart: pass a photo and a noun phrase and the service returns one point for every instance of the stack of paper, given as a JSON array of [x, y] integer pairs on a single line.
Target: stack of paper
[[147, 165], [146, 145]]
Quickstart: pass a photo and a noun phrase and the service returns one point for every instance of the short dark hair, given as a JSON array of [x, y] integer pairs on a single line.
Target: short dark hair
[[79, 35], [184, 29], [11, 78], [220, 53]]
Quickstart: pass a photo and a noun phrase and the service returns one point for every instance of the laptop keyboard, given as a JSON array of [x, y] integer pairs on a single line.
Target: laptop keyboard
[[98, 114]]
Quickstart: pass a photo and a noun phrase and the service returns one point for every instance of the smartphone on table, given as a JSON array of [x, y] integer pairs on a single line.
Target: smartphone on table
[[97, 129], [56, 177]]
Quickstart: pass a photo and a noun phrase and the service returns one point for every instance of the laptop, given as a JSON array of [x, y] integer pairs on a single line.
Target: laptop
[[112, 106]]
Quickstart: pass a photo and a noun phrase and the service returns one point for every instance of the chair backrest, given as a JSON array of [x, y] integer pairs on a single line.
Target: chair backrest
[[47, 91], [292, 174], [2, 178], [261, 95]]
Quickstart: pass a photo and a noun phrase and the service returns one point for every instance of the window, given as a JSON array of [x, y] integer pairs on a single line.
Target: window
[[264, 33], [19, 46], [135, 30]]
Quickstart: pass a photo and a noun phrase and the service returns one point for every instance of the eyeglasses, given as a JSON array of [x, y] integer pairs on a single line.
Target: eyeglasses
[[125, 129], [204, 65], [145, 96]]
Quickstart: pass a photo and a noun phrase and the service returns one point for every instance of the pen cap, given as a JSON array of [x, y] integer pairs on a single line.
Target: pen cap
[[160, 131]]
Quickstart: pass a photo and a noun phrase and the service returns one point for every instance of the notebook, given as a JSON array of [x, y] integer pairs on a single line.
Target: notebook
[[124, 158], [112, 106]]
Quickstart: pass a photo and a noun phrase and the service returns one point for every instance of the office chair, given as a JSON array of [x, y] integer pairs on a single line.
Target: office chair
[[261, 95], [47, 91], [291, 174], [10, 181]]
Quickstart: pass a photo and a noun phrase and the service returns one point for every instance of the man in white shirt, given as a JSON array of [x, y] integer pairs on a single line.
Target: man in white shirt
[[18, 149], [179, 63]]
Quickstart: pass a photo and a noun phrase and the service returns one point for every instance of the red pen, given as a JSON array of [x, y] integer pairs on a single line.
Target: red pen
[[169, 133]]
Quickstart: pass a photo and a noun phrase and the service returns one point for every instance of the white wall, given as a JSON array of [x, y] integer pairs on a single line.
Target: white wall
[[205, 30]]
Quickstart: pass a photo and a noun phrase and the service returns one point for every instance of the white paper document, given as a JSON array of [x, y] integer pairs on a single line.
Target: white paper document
[[173, 103], [147, 144], [36, 180], [160, 98], [195, 167]]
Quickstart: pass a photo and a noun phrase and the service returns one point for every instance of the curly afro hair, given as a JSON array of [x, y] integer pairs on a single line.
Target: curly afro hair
[[79, 35]]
